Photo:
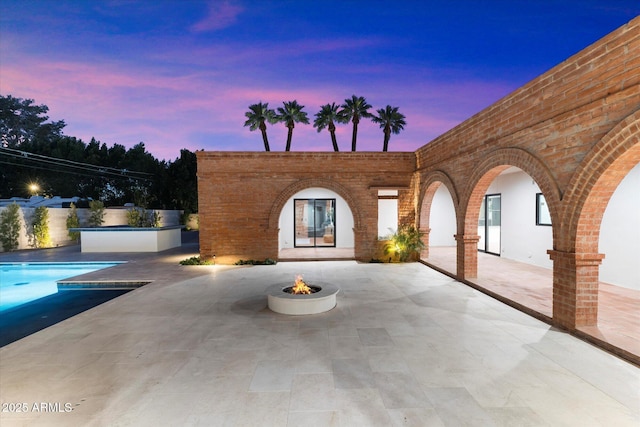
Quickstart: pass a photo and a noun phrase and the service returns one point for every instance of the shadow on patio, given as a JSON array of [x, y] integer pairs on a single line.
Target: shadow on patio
[[530, 289]]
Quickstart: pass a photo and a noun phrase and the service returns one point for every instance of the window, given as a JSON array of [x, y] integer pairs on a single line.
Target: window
[[489, 224], [543, 217], [387, 213]]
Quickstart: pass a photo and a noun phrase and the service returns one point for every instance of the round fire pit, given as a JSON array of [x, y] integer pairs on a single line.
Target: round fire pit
[[281, 301]]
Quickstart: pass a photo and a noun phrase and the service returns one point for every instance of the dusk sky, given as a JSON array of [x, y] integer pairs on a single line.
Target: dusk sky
[[181, 74]]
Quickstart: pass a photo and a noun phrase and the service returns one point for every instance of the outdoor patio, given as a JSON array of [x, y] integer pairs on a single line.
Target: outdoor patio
[[406, 345]]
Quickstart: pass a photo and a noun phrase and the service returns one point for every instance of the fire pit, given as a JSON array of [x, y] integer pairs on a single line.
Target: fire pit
[[302, 298]]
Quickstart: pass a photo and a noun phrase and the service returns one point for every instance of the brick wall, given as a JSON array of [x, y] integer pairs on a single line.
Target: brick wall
[[241, 196], [575, 130]]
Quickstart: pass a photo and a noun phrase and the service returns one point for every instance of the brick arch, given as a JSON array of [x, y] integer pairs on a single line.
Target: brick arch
[[296, 187], [595, 181], [428, 188], [494, 163]]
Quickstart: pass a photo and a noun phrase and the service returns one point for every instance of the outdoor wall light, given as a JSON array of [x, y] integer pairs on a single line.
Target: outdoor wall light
[[33, 188]]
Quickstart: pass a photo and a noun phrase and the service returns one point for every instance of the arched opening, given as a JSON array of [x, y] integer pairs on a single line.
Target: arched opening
[[316, 223], [438, 222], [511, 218], [609, 229], [579, 300], [620, 234]]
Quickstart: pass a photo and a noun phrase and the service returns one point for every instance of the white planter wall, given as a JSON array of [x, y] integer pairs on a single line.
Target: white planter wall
[[58, 223]]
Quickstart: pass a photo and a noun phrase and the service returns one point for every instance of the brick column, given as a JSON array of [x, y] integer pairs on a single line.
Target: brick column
[[425, 239], [467, 256], [363, 249], [575, 288]]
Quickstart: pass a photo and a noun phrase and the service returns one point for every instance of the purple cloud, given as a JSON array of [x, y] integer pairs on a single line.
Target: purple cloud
[[220, 15]]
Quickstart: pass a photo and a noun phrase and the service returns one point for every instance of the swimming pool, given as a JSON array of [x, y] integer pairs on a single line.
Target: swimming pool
[[21, 283]]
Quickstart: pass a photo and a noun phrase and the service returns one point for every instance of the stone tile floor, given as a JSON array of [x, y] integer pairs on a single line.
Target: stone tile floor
[[406, 345], [618, 327]]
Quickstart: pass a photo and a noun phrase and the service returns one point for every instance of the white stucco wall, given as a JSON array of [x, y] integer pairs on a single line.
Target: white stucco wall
[[521, 239], [130, 239], [387, 217], [620, 234], [442, 220], [344, 218], [524, 241]]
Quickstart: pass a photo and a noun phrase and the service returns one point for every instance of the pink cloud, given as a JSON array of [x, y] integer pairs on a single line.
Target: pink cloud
[[220, 15], [205, 109]]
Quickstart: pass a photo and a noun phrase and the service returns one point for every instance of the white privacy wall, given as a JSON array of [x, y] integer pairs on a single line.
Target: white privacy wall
[[344, 218], [620, 234]]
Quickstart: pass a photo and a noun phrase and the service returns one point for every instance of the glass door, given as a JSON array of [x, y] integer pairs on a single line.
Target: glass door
[[314, 223], [489, 223]]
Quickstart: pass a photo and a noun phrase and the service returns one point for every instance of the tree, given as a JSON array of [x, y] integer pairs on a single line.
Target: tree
[[21, 121], [291, 114], [326, 118], [181, 183], [23, 127], [73, 221], [257, 116], [40, 226], [354, 109], [34, 150], [10, 227], [96, 213], [390, 121]]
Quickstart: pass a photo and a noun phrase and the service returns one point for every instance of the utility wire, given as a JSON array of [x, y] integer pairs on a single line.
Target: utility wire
[[96, 169], [88, 174]]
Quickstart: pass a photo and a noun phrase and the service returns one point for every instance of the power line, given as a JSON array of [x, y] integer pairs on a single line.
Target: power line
[[94, 169], [87, 174]]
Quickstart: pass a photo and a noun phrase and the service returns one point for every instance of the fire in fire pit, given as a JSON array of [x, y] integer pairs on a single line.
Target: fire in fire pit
[[301, 288], [305, 299]]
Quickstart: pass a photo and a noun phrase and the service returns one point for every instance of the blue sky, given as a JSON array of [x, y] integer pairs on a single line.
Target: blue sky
[[181, 74]]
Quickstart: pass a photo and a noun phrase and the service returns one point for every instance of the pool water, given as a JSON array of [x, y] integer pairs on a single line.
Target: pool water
[[21, 283]]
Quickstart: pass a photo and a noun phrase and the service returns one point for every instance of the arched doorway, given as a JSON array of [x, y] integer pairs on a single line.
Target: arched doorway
[[316, 223]]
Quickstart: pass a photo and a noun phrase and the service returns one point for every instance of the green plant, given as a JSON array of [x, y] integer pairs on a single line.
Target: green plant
[[138, 217], [40, 223], [73, 222], [10, 227], [196, 260], [96, 213], [184, 217], [154, 219], [134, 217], [267, 261], [405, 242]]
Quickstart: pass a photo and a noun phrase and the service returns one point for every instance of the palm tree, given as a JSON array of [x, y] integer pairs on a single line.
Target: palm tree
[[353, 109], [325, 118], [390, 120], [257, 115], [289, 115]]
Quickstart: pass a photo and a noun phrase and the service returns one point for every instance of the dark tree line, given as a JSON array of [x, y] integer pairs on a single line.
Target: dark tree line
[[35, 151]]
